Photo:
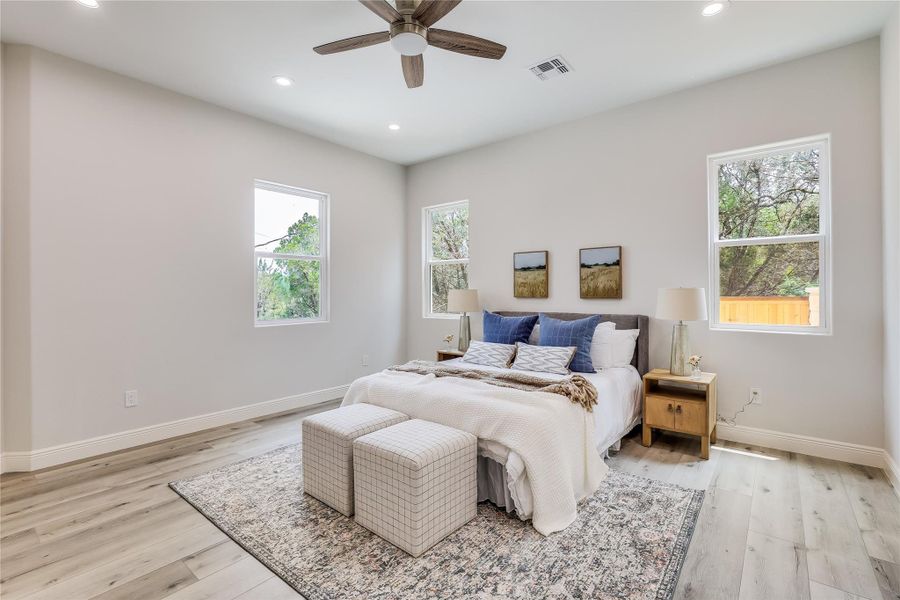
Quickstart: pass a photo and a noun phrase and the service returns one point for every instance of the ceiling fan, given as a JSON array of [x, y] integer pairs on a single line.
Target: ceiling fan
[[411, 32]]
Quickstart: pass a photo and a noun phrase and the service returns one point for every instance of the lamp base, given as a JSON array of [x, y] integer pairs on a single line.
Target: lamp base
[[678, 362], [465, 333]]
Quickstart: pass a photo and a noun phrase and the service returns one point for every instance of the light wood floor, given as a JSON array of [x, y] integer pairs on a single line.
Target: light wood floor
[[773, 526]]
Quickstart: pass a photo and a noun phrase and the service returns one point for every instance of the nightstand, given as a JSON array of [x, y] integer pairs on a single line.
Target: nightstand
[[448, 354], [681, 404]]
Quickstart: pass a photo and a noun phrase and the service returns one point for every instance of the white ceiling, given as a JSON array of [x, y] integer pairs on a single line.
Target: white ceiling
[[621, 52]]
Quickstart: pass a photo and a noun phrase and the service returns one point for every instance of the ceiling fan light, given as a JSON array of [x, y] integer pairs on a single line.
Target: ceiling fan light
[[712, 9], [409, 44]]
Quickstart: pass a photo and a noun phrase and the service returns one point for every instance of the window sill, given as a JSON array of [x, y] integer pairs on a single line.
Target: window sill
[[747, 328], [278, 323], [442, 316]]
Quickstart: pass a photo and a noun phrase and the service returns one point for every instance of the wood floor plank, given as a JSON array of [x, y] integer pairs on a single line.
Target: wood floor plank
[[776, 509], [94, 516], [888, 575], [694, 472], [820, 591], [131, 565], [226, 584], [876, 508], [272, 588], [18, 542], [214, 558], [714, 563], [774, 568], [160, 583], [736, 471], [70, 556], [836, 554]]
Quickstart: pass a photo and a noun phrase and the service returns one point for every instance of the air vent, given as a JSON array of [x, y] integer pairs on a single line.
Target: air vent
[[550, 68]]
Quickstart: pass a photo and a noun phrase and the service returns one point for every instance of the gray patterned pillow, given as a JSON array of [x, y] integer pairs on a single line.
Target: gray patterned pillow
[[490, 354], [549, 359]]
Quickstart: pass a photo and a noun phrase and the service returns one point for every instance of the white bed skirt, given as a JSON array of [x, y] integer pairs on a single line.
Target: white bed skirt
[[492, 484]]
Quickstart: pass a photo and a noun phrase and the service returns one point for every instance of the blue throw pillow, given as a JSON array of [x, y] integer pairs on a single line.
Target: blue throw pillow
[[508, 330], [579, 333]]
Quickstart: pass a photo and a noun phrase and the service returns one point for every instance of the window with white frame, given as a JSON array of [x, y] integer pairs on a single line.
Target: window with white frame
[[290, 254], [446, 253], [769, 211]]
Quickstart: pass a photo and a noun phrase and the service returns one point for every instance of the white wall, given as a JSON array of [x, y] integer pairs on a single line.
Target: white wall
[[128, 256], [890, 145], [637, 177]]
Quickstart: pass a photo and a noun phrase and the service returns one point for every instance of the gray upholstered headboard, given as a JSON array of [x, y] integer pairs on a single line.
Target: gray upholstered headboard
[[641, 360]]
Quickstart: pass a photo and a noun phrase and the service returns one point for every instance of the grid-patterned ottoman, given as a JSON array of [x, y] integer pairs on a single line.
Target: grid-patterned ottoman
[[328, 450], [415, 483]]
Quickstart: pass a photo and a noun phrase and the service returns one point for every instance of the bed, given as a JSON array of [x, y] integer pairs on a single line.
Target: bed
[[618, 412], [503, 478]]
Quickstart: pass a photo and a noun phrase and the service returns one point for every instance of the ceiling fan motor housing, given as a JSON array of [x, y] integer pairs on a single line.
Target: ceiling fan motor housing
[[409, 38]]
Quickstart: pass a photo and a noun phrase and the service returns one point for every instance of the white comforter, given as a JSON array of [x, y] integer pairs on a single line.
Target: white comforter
[[552, 436]]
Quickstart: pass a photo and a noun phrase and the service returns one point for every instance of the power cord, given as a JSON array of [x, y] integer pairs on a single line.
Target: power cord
[[721, 419]]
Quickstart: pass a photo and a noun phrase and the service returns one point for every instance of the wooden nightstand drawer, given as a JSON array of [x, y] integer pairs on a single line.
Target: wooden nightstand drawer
[[660, 412], [690, 417]]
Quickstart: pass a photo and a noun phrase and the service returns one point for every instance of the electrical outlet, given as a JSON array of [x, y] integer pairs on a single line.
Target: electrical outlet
[[131, 398], [756, 396], [365, 360]]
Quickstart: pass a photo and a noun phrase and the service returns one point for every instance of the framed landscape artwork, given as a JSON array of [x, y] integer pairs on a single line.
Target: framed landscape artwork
[[531, 275], [601, 272]]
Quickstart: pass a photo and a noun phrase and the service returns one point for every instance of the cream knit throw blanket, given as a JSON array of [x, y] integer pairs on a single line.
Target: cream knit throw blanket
[[553, 436], [574, 387]]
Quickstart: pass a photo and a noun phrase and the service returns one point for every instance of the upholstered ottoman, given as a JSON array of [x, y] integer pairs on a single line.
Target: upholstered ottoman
[[328, 450], [415, 483]]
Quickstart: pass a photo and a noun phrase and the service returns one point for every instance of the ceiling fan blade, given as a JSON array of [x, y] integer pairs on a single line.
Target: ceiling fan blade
[[383, 9], [413, 70], [359, 41], [430, 12], [465, 44]]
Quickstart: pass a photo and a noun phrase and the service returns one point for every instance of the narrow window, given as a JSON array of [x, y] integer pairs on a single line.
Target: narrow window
[[291, 254], [446, 255], [770, 238]]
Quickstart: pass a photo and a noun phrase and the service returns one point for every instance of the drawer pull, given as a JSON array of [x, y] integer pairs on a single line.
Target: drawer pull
[[670, 407], [678, 409]]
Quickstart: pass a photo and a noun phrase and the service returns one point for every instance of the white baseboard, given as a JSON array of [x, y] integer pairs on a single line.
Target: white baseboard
[[802, 444], [893, 472], [72, 451]]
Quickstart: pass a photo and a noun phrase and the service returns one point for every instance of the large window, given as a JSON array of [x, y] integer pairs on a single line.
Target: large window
[[770, 239], [446, 252], [291, 253]]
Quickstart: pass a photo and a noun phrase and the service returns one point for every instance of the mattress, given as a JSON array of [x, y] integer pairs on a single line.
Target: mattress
[[501, 473]]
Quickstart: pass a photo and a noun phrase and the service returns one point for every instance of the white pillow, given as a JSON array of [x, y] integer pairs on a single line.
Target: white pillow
[[546, 359], [535, 338], [621, 345], [601, 345], [487, 353]]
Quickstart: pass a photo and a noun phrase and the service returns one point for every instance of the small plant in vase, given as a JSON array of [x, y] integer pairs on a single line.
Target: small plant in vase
[[449, 340], [694, 361]]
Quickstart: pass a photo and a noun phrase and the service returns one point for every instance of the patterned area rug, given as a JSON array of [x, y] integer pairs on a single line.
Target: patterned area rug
[[629, 541]]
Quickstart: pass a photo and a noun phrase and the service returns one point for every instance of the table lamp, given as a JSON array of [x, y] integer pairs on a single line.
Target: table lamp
[[680, 304], [463, 301]]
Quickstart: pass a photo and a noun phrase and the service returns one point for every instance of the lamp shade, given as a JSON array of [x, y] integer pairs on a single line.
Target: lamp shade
[[681, 304], [463, 301]]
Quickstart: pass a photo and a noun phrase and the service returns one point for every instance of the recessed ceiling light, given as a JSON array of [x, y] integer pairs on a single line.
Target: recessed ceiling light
[[713, 8], [89, 3], [283, 81], [393, 127]]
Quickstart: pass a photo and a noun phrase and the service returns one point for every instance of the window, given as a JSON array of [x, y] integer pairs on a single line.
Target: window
[[446, 252], [291, 254], [769, 238]]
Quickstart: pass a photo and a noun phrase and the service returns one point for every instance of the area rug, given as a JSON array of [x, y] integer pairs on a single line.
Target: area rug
[[629, 541]]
